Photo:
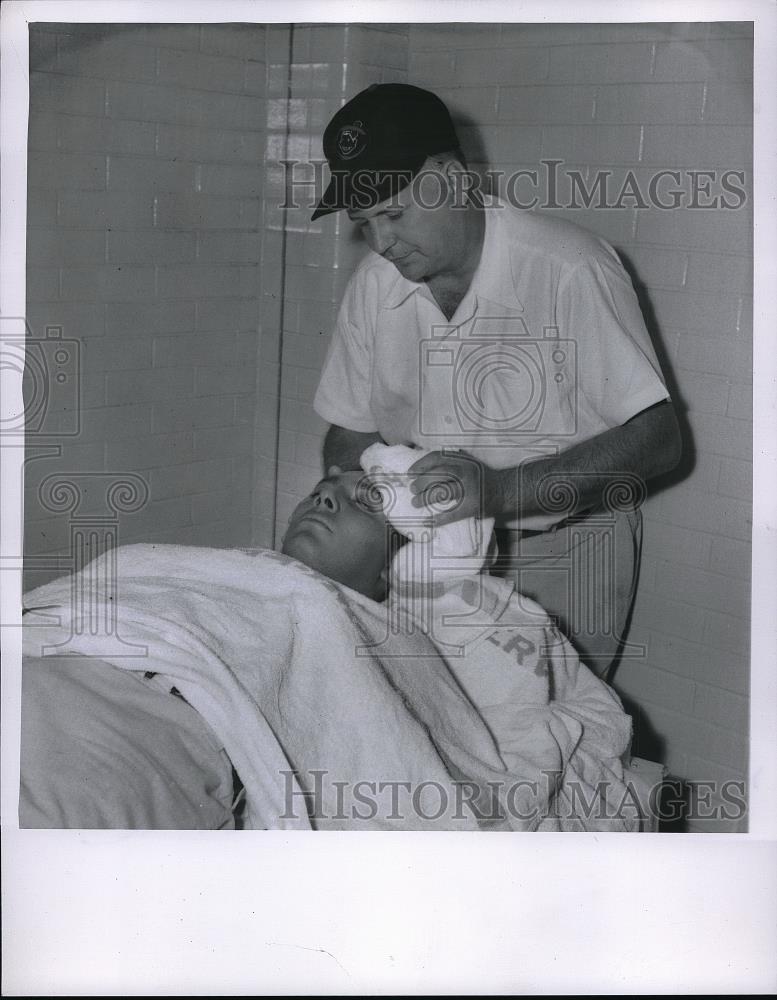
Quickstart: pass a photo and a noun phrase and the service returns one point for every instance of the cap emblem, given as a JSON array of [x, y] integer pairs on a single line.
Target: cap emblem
[[351, 140]]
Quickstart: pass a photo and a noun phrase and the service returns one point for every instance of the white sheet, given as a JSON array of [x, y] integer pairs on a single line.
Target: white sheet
[[295, 674]]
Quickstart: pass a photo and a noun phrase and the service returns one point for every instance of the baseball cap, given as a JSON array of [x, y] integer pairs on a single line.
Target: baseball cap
[[377, 142]]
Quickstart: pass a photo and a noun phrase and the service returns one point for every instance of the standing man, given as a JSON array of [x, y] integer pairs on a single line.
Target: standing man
[[513, 338]]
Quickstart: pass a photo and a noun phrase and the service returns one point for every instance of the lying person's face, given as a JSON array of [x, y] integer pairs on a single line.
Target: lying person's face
[[340, 531]]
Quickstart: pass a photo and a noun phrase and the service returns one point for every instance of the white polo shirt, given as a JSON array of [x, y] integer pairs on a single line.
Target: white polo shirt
[[547, 348]]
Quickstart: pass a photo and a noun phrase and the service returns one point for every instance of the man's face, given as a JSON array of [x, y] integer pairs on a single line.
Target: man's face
[[418, 230], [340, 531]]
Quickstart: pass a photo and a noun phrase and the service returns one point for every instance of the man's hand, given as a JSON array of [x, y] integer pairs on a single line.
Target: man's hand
[[454, 486], [647, 445]]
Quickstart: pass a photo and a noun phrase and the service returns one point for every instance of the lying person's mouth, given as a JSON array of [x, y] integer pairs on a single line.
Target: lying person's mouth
[[315, 519]]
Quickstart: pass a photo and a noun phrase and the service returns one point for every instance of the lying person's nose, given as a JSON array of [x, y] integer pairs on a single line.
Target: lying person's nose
[[326, 497]]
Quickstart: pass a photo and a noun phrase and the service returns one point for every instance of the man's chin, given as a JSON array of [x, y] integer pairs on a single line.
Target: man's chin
[[410, 267]]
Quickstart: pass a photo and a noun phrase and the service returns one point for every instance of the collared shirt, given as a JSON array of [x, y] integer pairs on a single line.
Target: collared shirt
[[547, 348]]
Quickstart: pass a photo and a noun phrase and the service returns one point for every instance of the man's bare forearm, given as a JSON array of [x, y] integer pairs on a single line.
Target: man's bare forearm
[[646, 446], [343, 447]]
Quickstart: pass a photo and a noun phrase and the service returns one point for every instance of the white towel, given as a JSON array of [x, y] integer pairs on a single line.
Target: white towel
[[434, 554]]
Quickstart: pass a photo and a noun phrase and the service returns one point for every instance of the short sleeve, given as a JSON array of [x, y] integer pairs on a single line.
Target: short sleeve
[[343, 394], [618, 374]]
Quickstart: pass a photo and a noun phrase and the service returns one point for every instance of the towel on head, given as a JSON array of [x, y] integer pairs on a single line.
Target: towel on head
[[437, 552]]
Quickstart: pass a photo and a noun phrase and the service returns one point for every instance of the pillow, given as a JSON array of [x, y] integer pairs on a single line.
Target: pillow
[[108, 748]]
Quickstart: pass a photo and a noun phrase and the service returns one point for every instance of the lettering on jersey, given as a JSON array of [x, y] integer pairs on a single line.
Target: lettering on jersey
[[513, 641]]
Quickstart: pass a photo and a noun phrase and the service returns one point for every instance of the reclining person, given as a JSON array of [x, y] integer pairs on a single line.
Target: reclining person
[[263, 651], [517, 669]]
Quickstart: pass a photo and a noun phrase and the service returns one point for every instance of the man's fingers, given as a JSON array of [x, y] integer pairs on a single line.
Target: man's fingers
[[446, 483], [424, 479], [430, 464], [440, 496], [425, 462], [436, 474]]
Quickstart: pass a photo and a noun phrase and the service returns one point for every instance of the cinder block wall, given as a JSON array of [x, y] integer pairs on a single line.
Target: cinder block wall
[[306, 264], [146, 146], [647, 97]]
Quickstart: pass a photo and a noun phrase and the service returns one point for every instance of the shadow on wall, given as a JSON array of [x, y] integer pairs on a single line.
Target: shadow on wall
[[688, 460]]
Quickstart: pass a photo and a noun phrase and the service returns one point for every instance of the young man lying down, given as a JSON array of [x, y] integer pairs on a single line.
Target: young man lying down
[[504, 651], [352, 682]]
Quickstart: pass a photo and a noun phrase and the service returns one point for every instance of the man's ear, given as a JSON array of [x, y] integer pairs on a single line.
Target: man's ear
[[458, 179], [334, 470]]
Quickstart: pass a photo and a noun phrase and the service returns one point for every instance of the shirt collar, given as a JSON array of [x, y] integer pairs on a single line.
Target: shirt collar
[[399, 290], [492, 282]]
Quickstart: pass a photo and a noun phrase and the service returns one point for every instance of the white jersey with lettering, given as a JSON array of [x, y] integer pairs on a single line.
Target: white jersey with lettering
[[554, 722]]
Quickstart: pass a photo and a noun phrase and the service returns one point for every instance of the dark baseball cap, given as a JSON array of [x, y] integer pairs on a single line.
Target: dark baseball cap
[[378, 142]]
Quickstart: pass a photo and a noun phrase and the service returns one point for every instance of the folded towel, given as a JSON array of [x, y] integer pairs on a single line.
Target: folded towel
[[434, 554]]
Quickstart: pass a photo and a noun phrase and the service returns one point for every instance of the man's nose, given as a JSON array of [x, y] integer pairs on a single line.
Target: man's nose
[[326, 497], [381, 236]]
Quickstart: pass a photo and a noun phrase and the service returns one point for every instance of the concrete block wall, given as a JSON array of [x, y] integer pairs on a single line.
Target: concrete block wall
[[312, 72], [145, 180], [642, 98]]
